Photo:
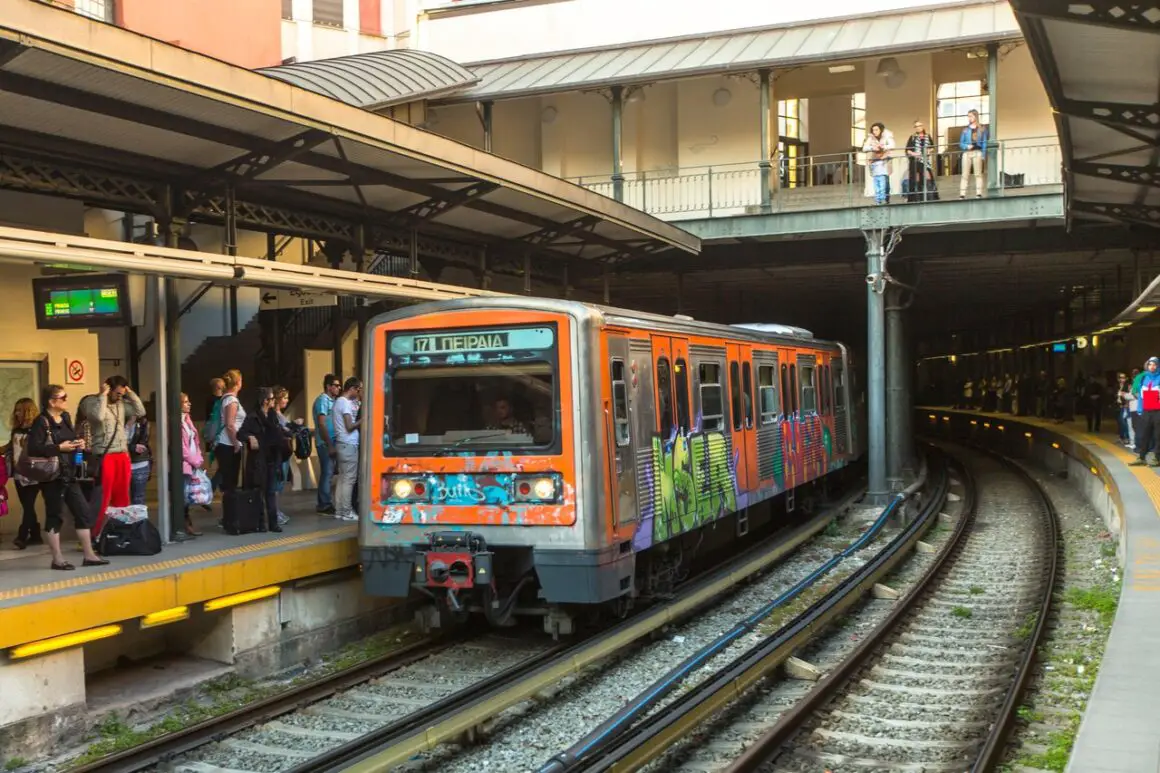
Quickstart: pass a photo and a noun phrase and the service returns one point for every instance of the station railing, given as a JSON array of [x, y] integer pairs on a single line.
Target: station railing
[[821, 182]]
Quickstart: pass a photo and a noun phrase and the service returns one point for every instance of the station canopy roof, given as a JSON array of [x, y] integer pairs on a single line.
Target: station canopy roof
[[85, 92], [787, 45], [1100, 63], [378, 79]]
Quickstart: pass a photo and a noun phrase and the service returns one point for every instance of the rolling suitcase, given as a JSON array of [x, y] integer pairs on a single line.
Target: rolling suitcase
[[242, 508]]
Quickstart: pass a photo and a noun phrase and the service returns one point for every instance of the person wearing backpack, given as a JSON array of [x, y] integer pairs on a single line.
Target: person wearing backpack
[[213, 427]]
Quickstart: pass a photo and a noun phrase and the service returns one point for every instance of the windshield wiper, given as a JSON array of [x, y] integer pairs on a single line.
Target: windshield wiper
[[469, 439]]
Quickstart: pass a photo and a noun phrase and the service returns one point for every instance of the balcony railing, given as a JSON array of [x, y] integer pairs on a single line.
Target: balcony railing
[[837, 181]]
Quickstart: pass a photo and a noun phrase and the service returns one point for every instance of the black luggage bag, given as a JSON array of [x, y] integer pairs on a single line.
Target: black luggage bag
[[139, 538], [243, 508]]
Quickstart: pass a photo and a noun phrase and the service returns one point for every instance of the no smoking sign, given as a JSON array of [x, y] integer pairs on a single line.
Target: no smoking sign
[[74, 370]]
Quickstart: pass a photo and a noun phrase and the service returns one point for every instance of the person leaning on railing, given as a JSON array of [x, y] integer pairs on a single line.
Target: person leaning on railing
[[973, 144]]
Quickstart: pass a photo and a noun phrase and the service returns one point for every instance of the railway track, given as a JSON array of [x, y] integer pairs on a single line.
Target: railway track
[[927, 683], [430, 692]]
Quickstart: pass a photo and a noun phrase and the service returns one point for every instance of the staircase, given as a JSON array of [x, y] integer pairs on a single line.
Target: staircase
[[217, 354]]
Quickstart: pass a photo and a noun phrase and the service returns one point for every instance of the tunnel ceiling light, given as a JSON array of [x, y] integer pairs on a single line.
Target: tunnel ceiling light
[[1145, 309], [244, 597], [164, 617], [64, 642]]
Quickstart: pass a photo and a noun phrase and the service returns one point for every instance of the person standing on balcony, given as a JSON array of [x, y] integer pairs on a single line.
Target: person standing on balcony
[[973, 143], [879, 143], [920, 177]]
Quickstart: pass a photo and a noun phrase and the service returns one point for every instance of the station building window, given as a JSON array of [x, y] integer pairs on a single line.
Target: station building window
[[793, 142], [954, 101], [287, 9], [858, 120], [328, 12], [101, 10]]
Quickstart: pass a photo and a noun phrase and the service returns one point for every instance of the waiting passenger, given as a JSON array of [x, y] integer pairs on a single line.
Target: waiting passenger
[[281, 402], [879, 143], [107, 414], [346, 429], [505, 418], [1147, 391], [23, 414], [140, 459], [53, 434], [973, 144], [263, 437], [228, 449], [192, 459], [324, 441]]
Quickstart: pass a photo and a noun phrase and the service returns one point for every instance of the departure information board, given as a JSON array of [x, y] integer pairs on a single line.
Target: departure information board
[[66, 303]]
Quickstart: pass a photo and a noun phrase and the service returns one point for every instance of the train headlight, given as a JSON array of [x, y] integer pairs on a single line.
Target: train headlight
[[402, 488], [544, 488]]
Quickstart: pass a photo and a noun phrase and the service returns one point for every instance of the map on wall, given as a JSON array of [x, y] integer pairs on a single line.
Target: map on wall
[[17, 380]]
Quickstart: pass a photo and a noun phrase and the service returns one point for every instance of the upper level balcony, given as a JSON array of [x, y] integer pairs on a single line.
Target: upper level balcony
[[834, 181]]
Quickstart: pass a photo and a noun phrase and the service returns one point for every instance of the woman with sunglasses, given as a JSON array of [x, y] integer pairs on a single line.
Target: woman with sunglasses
[[52, 434]]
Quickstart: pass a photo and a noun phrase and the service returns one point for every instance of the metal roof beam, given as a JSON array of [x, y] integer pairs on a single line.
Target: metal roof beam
[[1121, 173], [1121, 115], [1139, 16], [433, 208], [1144, 214]]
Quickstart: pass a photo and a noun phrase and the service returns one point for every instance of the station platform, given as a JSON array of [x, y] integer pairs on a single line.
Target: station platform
[[1120, 727], [37, 603]]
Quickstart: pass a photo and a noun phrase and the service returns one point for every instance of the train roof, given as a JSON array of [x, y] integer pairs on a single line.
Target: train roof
[[610, 315]]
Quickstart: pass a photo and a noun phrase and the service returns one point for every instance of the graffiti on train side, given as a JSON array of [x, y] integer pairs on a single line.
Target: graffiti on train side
[[694, 481]]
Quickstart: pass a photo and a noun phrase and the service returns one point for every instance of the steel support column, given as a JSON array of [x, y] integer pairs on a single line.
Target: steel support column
[[899, 432], [994, 153], [617, 160], [878, 490], [485, 109], [231, 234], [764, 163], [167, 334]]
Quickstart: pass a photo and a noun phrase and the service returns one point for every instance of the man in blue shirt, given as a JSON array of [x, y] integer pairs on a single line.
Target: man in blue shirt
[[324, 439], [973, 144]]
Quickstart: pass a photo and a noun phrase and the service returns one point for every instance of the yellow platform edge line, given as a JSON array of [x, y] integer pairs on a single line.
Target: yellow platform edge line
[[99, 606], [161, 566]]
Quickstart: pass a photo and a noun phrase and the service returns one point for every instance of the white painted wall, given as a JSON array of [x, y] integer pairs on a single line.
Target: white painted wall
[[307, 41], [589, 23]]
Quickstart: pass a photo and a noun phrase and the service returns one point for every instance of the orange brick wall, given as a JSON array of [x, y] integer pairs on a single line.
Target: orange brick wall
[[242, 32]]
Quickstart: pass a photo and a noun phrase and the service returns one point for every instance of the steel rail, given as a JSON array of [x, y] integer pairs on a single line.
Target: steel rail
[[759, 752], [395, 744], [645, 742], [164, 748]]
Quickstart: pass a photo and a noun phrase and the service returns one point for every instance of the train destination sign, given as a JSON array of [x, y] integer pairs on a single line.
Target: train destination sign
[[462, 342]]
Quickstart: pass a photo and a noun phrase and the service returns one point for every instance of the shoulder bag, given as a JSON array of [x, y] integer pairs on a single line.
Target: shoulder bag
[[39, 469]]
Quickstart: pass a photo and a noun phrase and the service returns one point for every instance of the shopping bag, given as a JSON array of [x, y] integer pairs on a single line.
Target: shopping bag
[[198, 489]]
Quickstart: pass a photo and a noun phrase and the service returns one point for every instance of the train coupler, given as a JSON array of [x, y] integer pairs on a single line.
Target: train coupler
[[455, 561]]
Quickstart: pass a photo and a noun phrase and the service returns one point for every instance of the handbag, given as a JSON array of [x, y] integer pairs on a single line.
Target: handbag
[[39, 469]]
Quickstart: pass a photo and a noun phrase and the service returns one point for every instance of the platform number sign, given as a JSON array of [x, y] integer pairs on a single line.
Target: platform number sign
[[74, 370]]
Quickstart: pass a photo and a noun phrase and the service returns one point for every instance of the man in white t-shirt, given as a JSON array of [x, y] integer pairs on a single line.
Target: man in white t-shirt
[[345, 420]]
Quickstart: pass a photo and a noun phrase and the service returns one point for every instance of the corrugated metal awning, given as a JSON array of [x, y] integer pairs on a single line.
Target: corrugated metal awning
[[792, 45], [378, 79], [1100, 64]]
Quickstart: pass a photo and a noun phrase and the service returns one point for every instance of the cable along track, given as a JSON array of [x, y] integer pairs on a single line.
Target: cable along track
[[935, 686]]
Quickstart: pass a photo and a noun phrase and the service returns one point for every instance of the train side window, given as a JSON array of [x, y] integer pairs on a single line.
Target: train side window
[[767, 388], [712, 396], [809, 390], [792, 391], [665, 397], [681, 370], [839, 386], [735, 395], [747, 381], [620, 404]]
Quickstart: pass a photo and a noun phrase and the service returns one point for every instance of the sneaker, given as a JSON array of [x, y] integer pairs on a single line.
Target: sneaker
[[283, 519], [347, 517], [325, 510], [1137, 462]]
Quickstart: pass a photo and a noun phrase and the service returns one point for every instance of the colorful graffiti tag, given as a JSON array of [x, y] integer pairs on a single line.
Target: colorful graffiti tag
[[693, 481]]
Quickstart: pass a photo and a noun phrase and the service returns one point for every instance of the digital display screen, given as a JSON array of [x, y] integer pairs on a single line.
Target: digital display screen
[[1060, 348], [81, 302], [458, 342]]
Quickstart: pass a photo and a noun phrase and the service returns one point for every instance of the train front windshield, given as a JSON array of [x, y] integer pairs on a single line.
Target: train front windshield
[[473, 390]]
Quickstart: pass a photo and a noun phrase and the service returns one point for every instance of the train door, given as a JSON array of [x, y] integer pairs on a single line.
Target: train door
[[618, 411], [789, 416], [662, 352], [809, 415], [741, 415], [681, 385], [842, 408], [770, 454]]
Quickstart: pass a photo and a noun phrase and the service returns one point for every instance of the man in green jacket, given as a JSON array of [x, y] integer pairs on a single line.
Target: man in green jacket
[[1146, 389]]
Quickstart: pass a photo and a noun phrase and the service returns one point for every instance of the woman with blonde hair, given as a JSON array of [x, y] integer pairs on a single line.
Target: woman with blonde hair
[[23, 414], [228, 450]]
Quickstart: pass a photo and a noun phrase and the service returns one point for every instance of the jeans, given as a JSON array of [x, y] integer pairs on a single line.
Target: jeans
[[1122, 423], [138, 480], [347, 472], [881, 189], [325, 478]]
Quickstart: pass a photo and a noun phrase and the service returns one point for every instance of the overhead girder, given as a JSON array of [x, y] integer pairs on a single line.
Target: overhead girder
[[1140, 16], [1144, 214], [1130, 175]]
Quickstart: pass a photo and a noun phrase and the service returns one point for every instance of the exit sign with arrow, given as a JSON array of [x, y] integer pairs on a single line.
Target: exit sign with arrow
[[295, 299]]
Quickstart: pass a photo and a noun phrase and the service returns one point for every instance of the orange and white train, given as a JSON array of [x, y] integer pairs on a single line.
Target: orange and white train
[[523, 452]]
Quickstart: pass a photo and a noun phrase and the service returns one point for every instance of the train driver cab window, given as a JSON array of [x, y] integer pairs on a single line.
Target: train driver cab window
[[735, 395], [767, 389], [809, 391], [712, 397], [681, 370], [619, 403], [747, 396], [665, 397]]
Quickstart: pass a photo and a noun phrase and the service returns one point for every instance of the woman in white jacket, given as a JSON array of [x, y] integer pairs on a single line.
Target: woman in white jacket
[[878, 146]]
